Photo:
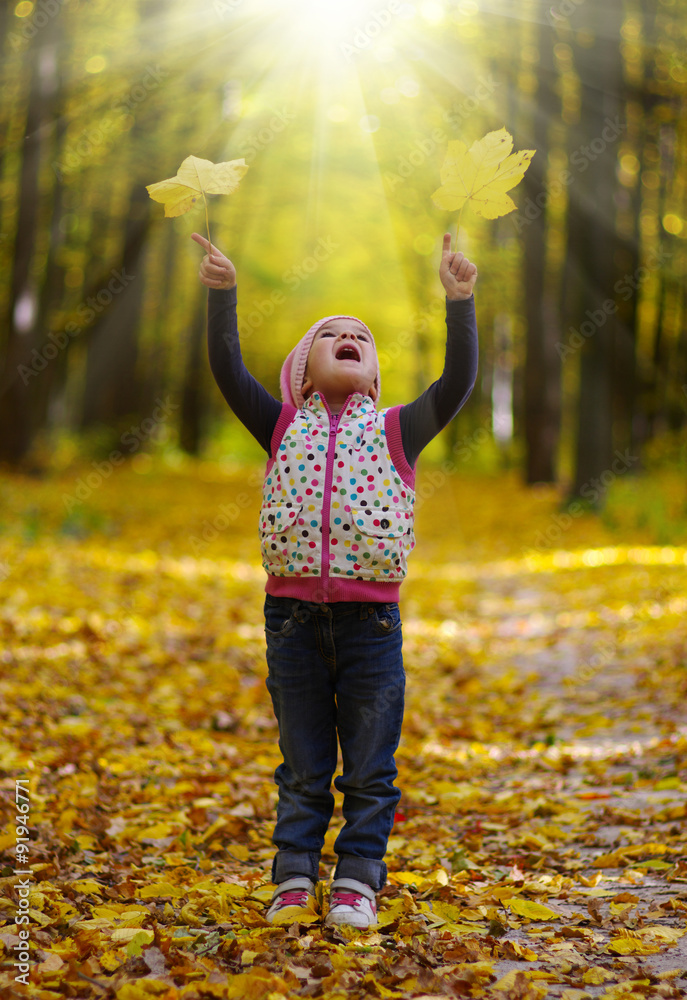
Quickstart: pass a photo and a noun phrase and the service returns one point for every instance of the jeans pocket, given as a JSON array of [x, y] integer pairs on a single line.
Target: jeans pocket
[[387, 619], [279, 619]]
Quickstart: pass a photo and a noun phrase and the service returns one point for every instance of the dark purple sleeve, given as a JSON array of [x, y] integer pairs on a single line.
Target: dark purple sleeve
[[422, 419], [256, 408]]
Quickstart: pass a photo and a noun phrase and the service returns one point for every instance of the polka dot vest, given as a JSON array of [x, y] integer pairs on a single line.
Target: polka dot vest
[[333, 502]]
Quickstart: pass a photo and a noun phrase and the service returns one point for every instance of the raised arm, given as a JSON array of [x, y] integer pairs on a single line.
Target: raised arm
[[422, 419], [254, 406]]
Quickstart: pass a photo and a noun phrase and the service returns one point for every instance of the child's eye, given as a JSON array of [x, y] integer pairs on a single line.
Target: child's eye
[[326, 333]]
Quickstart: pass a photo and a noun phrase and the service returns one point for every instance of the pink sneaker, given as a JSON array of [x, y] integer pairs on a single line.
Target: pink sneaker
[[293, 900], [351, 902]]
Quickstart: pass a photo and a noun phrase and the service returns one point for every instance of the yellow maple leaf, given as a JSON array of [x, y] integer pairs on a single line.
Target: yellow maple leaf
[[194, 179], [88, 885], [632, 946], [255, 985], [157, 889], [481, 175], [659, 934], [530, 910], [521, 984], [126, 934], [596, 975]]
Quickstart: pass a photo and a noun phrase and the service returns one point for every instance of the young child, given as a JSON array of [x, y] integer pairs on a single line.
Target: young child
[[336, 527]]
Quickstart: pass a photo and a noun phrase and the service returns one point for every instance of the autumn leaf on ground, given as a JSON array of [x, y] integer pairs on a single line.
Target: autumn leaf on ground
[[481, 175]]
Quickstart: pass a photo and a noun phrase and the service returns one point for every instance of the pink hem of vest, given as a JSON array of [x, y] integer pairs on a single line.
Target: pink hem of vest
[[310, 589]]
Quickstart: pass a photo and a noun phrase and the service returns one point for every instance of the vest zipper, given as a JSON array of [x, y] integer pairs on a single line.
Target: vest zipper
[[327, 497]]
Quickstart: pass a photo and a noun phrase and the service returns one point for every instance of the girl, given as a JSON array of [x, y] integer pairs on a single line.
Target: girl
[[336, 527]]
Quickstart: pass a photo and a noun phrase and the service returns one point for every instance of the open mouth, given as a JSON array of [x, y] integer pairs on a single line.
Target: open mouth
[[347, 353]]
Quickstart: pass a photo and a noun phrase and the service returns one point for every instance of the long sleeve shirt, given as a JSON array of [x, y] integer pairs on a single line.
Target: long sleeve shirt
[[420, 421]]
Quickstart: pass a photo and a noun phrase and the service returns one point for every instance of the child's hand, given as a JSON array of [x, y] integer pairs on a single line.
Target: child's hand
[[458, 275], [216, 270]]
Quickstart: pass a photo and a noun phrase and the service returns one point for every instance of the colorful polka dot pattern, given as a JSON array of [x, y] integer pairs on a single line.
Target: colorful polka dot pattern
[[370, 507]]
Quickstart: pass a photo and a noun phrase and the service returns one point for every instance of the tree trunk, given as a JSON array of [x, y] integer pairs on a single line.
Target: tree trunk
[[52, 289], [593, 243], [542, 396], [191, 418], [111, 393], [17, 393]]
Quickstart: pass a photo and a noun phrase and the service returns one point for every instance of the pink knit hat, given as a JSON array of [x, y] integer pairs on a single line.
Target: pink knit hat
[[293, 369]]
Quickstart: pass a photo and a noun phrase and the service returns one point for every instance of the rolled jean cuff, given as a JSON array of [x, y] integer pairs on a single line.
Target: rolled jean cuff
[[294, 864], [367, 870]]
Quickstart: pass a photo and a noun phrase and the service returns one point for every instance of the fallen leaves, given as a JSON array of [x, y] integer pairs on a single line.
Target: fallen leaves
[[536, 798], [531, 910]]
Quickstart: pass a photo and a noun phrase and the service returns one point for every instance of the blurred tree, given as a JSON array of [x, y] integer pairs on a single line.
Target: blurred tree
[[344, 156], [592, 240], [110, 392], [542, 376], [20, 395]]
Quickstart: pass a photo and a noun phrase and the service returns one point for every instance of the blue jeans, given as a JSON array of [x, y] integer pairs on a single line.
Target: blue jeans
[[335, 669]]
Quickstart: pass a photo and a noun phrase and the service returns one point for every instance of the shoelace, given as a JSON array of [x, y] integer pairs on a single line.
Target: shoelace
[[293, 897], [346, 898]]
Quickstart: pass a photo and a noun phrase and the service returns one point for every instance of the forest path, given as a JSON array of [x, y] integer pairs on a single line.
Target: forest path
[[539, 845]]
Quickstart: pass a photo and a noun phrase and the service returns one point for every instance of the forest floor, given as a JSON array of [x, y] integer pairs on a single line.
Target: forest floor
[[540, 846]]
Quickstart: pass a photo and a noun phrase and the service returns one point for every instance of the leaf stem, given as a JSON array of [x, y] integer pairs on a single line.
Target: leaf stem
[[460, 216], [207, 220]]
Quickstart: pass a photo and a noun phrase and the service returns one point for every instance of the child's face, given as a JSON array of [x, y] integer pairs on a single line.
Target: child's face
[[342, 360]]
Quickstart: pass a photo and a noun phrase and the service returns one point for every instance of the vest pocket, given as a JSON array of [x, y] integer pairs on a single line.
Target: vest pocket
[[279, 537], [382, 539]]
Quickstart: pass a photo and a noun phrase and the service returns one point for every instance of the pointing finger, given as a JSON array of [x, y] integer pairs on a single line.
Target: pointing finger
[[447, 244], [201, 241]]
